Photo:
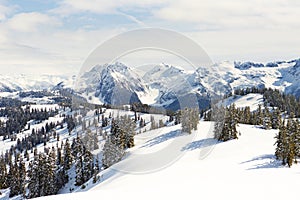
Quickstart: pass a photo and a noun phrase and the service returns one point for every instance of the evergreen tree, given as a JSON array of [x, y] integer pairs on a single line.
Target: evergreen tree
[[33, 179], [247, 115], [84, 163], [41, 176], [276, 119], [17, 184], [3, 173], [282, 144], [297, 138], [218, 118], [112, 153], [189, 120], [68, 159], [229, 130], [260, 116], [267, 122], [88, 165]]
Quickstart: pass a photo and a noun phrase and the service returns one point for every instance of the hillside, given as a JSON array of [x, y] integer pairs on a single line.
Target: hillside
[[165, 163], [239, 169]]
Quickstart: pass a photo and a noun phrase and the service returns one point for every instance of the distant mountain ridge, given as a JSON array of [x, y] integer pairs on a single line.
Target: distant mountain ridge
[[165, 85], [26, 82]]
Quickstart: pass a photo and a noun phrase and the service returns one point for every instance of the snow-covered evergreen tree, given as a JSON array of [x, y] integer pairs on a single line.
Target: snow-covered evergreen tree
[[189, 119], [267, 120], [3, 173], [67, 156], [276, 119], [112, 153], [229, 130]]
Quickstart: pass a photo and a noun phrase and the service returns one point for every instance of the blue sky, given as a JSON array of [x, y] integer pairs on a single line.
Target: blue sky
[[52, 36]]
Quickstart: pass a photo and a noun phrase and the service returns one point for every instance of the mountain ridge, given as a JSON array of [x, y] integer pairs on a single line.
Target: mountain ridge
[[165, 85]]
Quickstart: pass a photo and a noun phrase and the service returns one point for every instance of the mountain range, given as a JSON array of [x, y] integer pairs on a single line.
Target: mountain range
[[165, 85]]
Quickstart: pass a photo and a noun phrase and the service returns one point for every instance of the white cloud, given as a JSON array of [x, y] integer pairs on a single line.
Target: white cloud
[[228, 29], [30, 22], [4, 10], [102, 6], [236, 14]]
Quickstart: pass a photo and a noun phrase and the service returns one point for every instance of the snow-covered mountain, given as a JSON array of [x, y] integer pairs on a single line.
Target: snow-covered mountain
[[164, 85], [22, 82], [172, 87]]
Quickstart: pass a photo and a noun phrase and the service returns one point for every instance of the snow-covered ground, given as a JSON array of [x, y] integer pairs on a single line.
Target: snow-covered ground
[[238, 169], [251, 100], [166, 164]]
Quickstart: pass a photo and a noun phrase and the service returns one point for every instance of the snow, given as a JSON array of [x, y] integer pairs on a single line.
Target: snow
[[168, 164], [24, 82], [251, 100], [238, 169], [149, 97]]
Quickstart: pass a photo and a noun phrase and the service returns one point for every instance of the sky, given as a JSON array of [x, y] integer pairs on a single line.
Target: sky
[[56, 36]]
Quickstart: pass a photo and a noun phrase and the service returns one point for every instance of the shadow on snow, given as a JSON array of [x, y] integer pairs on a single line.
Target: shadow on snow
[[269, 162], [163, 138], [200, 144]]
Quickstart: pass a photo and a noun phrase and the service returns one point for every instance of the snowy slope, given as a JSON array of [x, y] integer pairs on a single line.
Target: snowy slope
[[166, 164], [250, 100], [238, 169]]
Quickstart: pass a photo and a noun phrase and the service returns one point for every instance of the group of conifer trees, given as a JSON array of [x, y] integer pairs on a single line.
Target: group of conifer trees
[[121, 137], [17, 118], [281, 116], [288, 142], [189, 119], [47, 172], [226, 119]]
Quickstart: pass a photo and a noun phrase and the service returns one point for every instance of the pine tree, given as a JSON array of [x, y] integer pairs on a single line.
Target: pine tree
[[12, 178], [50, 164], [229, 130], [83, 163], [3, 174], [186, 123], [290, 151], [153, 123], [41, 176], [233, 121], [195, 118], [189, 120], [67, 161], [112, 153], [33, 179], [259, 116], [282, 143], [247, 115], [267, 122], [276, 119], [16, 176], [96, 171], [88, 165], [297, 138], [219, 118], [78, 151]]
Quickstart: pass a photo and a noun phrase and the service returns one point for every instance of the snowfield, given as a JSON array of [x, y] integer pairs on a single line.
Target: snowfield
[[239, 169], [251, 100]]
